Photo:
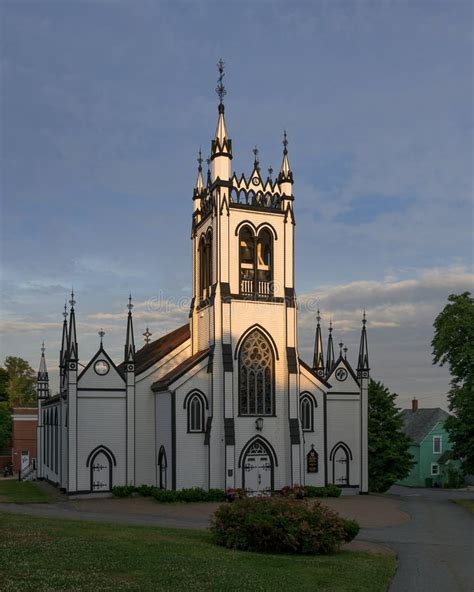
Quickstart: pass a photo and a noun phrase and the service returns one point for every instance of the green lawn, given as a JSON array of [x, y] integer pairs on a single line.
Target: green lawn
[[52, 554], [21, 492], [468, 504]]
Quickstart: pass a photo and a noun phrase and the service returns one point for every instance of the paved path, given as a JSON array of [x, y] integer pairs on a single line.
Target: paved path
[[436, 547]]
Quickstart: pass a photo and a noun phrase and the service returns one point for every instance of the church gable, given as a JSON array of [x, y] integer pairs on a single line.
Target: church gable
[[101, 373], [342, 378]]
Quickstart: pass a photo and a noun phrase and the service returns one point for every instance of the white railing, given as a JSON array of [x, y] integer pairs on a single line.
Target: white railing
[[247, 287]]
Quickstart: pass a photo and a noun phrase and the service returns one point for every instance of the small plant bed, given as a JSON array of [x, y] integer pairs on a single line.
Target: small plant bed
[[194, 494], [53, 554], [22, 492], [278, 525], [468, 504]]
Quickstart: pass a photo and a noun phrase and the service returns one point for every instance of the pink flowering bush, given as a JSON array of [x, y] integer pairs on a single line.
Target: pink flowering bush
[[279, 525]]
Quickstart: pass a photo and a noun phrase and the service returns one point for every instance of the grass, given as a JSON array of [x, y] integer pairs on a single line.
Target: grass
[[465, 503], [53, 554], [21, 492]]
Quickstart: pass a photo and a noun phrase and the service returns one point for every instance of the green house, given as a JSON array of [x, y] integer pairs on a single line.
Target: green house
[[431, 448]]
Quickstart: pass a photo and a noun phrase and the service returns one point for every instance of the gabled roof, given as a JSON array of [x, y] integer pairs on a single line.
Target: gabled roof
[[308, 368], [418, 424], [165, 381], [344, 362], [152, 352]]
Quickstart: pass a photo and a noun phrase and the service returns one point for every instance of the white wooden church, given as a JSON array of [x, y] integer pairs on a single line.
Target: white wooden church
[[225, 400]]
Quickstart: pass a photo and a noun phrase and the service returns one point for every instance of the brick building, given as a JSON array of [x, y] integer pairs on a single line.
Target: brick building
[[25, 422]]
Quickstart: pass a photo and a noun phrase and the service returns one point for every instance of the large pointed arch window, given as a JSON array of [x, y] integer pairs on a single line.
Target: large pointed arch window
[[205, 265], [256, 263], [256, 376]]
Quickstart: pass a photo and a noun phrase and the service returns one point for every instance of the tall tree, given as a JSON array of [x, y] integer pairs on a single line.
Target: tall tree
[[21, 382], [453, 344], [5, 424], [3, 384], [389, 456]]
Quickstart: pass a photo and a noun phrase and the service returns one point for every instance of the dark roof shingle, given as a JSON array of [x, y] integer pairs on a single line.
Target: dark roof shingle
[[418, 424], [152, 352]]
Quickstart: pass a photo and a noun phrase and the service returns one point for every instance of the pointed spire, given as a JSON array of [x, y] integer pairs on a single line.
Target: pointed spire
[[330, 352], [285, 170], [318, 360], [199, 180], [42, 382], [363, 362], [221, 144], [130, 341], [64, 340], [72, 349]]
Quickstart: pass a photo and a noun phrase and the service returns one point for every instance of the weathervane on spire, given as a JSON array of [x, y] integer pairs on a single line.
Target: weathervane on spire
[[220, 88]]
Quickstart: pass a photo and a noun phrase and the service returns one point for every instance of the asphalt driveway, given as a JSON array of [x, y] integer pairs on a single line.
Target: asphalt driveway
[[436, 547]]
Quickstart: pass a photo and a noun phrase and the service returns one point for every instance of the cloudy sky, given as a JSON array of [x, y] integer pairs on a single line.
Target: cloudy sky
[[105, 104]]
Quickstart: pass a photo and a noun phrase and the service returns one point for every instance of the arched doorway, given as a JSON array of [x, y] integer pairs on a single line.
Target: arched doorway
[[257, 468], [101, 462], [341, 457]]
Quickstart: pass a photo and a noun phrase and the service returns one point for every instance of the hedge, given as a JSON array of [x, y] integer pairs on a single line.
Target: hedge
[[194, 494]]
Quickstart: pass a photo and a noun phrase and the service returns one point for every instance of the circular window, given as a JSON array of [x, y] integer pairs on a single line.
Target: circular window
[[341, 374], [101, 367]]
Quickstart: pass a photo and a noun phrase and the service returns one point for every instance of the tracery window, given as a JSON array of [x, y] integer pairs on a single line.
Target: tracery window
[[256, 376]]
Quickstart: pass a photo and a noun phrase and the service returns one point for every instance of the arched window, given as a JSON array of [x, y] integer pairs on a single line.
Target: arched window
[[205, 265], [247, 260], [162, 464], [195, 414], [264, 262], [306, 413], [256, 376]]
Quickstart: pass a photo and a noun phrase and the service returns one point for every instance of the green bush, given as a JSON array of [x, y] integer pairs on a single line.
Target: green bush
[[216, 495], [455, 479], [146, 490], [165, 495], [193, 494], [351, 529], [333, 490], [278, 525], [123, 490], [328, 491]]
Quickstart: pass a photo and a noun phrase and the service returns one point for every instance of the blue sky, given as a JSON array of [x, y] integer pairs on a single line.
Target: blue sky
[[105, 104]]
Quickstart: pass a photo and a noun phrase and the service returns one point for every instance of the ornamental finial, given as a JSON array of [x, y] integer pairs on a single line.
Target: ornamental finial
[[330, 326], [270, 172], [256, 161], [364, 320], [72, 302], [345, 352], [101, 334], [220, 88], [199, 160], [285, 142], [65, 310], [318, 316], [43, 349], [130, 305], [147, 336], [341, 345]]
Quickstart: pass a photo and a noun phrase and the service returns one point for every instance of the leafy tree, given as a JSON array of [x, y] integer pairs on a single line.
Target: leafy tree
[[389, 457], [3, 384], [453, 344], [21, 382], [5, 424]]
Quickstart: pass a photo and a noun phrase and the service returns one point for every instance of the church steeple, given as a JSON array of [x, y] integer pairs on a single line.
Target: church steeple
[[286, 175], [330, 352], [129, 356], [64, 340], [318, 360], [72, 349], [42, 384], [363, 362], [221, 146]]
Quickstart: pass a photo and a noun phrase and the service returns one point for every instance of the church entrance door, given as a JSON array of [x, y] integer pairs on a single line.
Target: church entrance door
[[101, 472], [257, 470]]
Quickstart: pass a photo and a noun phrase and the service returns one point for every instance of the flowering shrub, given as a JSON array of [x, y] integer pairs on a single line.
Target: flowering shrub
[[276, 525]]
